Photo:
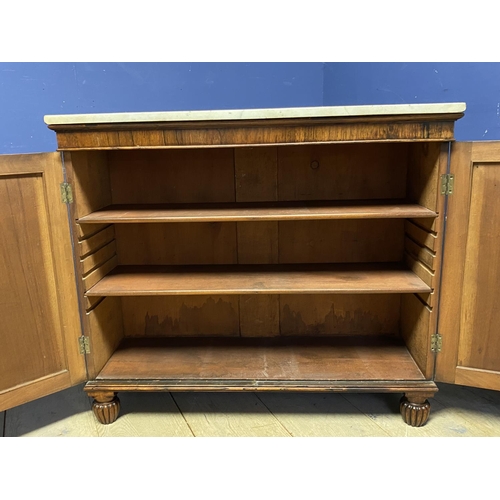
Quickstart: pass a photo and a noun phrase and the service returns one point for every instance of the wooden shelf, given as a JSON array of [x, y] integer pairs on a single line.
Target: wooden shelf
[[255, 279], [234, 212], [235, 363]]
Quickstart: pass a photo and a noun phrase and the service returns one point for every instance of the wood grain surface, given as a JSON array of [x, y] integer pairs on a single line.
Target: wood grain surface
[[254, 279], [263, 211], [248, 359]]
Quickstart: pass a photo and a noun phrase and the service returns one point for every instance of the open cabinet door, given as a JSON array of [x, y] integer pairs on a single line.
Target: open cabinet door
[[39, 320], [469, 320]]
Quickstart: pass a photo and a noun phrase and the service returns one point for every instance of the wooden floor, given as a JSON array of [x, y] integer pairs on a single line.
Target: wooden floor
[[456, 411]]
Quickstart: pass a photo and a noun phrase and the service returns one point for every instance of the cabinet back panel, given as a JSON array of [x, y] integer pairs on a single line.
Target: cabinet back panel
[[172, 176], [176, 244], [256, 174], [342, 171], [258, 242], [181, 316], [341, 241], [261, 315], [289, 242], [339, 314]]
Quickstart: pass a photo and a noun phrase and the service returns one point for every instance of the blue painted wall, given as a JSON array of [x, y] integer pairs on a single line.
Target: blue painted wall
[[477, 84], [30, 90]]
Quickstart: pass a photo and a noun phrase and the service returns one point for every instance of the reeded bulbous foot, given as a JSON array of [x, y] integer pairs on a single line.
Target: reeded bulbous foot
[[415, 411], [106, 409]]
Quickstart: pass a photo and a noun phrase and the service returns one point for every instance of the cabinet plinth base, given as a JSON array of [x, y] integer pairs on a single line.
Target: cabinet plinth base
[[415, 410], [106, 407]]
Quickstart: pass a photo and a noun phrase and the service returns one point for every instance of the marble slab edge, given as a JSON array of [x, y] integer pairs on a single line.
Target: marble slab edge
[[258, 114]]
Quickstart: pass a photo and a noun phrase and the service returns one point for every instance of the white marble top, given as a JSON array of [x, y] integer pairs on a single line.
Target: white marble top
[[257, 114]]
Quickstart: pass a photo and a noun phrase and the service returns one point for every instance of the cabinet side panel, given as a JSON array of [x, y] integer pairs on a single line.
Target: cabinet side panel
[[416, 326], [423, 173], [90, 181], [419, 312], [106, 331]]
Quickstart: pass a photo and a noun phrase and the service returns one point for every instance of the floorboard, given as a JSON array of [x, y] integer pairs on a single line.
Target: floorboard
[[228, 414], [147, 415], [456, 411], [319, 415], [64, 414]]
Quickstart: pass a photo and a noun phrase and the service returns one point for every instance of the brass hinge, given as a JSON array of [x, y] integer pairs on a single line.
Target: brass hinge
[[447, 181], [66, 193], [436, 342], [84, 345]]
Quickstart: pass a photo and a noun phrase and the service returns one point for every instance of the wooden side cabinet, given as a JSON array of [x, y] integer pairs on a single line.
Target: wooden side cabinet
[[302, 249]]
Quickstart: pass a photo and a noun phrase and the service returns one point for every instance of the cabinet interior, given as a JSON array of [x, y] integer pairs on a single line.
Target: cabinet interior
[[366, 212]]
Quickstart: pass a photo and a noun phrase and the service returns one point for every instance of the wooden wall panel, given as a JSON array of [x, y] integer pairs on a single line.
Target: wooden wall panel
[[256, 180], [480, 315], [181, 316], [98, 258], [427, 161], [39, 320], [165, 244], [84, 231], [339, 314], [256, 174], [88, 174], [421, 235], [172, 176], [259, 315], [90, 279], [29, 302], [420, 253], [105, 332], [96, 241], [469, 314], [341, 241], [258, 242], [416, 330], [421, 270], [342, 171]]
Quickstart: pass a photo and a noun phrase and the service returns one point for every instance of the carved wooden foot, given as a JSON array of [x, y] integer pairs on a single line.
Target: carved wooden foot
[[415, 410], [106, 407]]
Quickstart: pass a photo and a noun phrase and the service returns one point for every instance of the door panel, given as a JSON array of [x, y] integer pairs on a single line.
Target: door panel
[[39, 321], [470, 312]]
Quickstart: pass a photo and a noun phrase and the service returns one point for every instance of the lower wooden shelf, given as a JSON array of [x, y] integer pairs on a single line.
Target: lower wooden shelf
[[252, 279], [354, 363]]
